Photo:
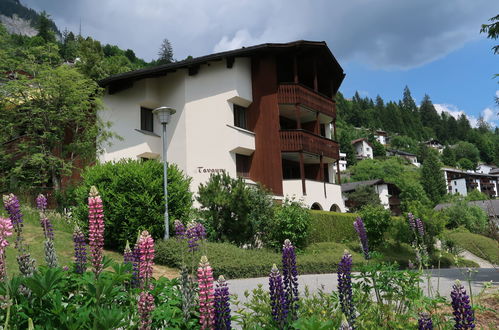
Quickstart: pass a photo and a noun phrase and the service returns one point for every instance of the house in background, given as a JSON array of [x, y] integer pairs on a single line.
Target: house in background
[[462, 182], [363, 148], [265, 113], [411, 158], [343, 161], [484, 168], [381, 137], [491, 207], [435, 144], [388, 193]]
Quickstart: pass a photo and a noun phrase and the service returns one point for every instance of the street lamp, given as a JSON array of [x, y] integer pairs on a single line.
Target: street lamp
[[164, 114]]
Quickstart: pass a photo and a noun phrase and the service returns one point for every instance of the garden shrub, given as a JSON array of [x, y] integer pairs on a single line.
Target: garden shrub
[[376, 220], [132, 192], [233, 211], [470, 216], [479, 245], [291, 221], [332, 227]]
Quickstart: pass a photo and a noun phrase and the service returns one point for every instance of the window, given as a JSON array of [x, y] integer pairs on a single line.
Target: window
[[243, 165], [146, 119], [240, 117]]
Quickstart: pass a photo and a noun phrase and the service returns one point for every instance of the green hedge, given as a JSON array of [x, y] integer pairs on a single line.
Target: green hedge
[[481, 246], [233, 262], [332, 227]]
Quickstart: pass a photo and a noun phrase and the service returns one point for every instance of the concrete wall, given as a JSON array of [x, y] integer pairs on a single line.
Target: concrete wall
[[459, 187], [315, 193], [382, 190]]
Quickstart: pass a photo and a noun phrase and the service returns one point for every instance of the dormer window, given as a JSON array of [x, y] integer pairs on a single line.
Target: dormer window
[[146, 119], [240, 116]]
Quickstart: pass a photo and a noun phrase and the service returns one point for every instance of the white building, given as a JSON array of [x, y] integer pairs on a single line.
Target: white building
[[381, 137], [363, 149], [411, 158], [343, 161], [265, 113], [484, 168], [435, 144], [388, 193], [462, 182]]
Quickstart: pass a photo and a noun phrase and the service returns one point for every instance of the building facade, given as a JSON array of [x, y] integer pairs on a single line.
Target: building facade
[[363, 149], [388, 193], [462, 182], [265, 113]]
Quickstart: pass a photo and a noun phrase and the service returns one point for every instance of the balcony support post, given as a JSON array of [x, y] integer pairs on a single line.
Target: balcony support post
[[322, 176], [302, 174], [297, 114], [317, 129], [338, 175], [316, 84], [295, 69]]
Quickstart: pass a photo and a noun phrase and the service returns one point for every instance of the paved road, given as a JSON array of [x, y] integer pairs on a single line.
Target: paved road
[[329, 281]]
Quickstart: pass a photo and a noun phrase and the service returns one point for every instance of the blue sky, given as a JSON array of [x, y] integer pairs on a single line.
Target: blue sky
[[432, 46]]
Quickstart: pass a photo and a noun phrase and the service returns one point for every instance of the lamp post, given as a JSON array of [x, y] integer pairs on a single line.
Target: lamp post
[[164, 114]]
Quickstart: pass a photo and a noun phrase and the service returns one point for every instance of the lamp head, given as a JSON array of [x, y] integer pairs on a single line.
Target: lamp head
[[164, 114]]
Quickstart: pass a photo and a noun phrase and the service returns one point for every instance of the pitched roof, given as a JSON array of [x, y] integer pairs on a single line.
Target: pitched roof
[[189, 64], [360, 140], [351, 186], [400, 152]]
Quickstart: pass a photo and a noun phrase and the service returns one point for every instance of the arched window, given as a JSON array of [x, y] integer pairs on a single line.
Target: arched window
[[316, 206]]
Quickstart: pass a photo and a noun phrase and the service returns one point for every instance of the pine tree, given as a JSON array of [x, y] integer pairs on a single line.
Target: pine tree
[[44, 28], [165, 52], [432, 178]]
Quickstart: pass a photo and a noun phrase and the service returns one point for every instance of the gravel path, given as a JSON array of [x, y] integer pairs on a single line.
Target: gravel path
[[481, 262]]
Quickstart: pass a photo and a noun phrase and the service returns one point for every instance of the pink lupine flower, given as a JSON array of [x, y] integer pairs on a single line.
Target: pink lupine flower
[[145, 307], [206, 294], [95, 229], [146, 256], [5, 231]]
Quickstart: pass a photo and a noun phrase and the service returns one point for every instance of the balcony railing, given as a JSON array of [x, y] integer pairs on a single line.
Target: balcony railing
[[291, 93], [297, 140]]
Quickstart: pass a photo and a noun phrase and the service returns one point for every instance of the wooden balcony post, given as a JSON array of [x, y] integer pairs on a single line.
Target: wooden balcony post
[[338, 175], [302, 174], [297, 114], [317, 125], [321, 173]]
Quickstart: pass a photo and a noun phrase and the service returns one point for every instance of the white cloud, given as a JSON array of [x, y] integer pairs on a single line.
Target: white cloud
[[487, 114], [383, 34]]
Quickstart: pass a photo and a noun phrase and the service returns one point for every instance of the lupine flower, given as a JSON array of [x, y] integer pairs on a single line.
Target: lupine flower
[[290, 277], [420, 227], [145, 308], [412, 222], [222, 304], [345, 287], [26, 264], [135, 266], [278, 301], [206, 294], [424, 322], [5, 231], [95, 229], [13, 208], [146, 256], [180, 230], [188, 293], [195, 232], [41, 203], [361, 231], [80, 249], [48, 229], [463, 313], [128, 257], [50, 255]]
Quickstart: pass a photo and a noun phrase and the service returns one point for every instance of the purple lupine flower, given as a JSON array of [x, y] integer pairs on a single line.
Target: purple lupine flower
[[80, 249], [222, 304], [425, 322], [128, 254], [420, 227], [48, 229], [135, 266], [361, 231], [278, 301], [195, 232], [41, 203], [13, 208], [345, 287], [412, 222], [180, 230], [290, 277], [463, 313]]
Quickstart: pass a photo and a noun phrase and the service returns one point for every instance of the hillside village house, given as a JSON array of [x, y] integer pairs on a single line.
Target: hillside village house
[[388, 193], [411, 158], [265, 113], [435, 144], [363, 148], [462, 182], [381, 137]]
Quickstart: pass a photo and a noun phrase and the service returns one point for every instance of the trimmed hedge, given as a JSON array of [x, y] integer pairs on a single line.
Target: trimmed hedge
[[233, 262], [481, 246], [332, 227]]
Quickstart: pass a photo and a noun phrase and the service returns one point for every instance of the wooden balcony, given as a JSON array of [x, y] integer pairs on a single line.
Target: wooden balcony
[[291, 93], [298, 140]]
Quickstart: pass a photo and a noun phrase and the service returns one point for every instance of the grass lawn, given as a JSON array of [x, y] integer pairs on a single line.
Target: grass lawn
[[34, 238], [481, 246]]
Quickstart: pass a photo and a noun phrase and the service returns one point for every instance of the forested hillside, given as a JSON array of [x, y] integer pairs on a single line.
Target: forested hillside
[[11, 8], [409, 124]]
